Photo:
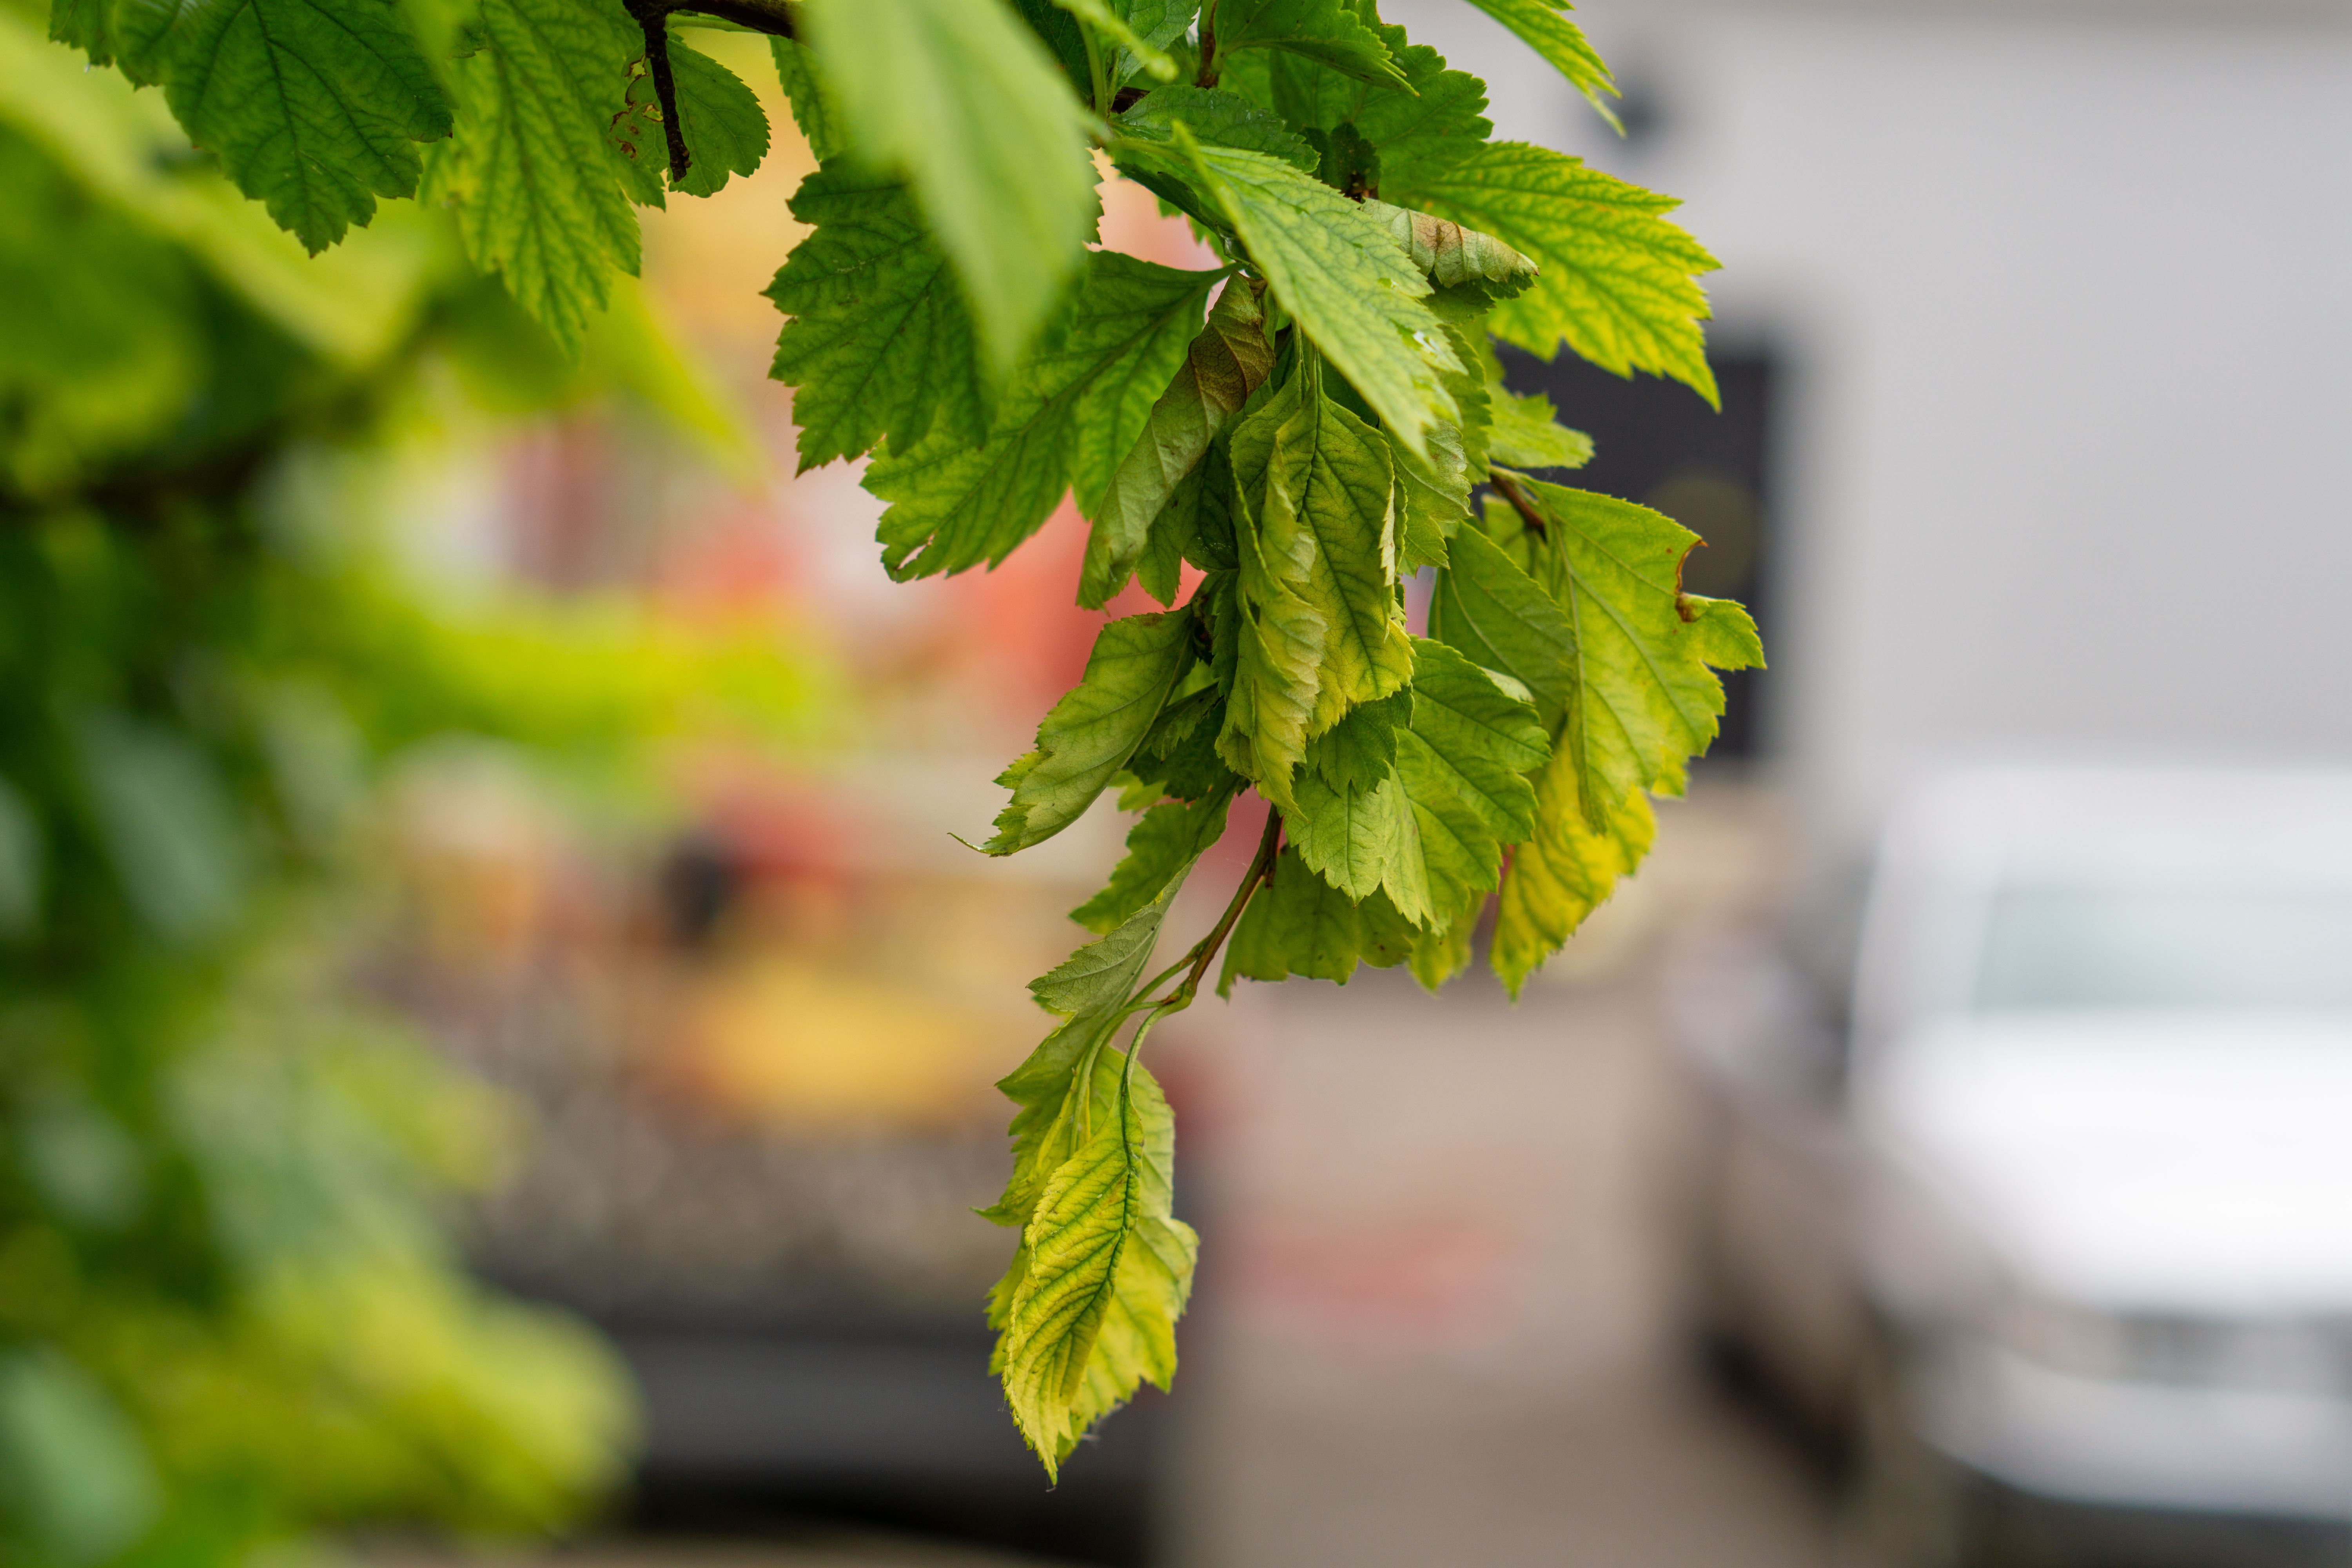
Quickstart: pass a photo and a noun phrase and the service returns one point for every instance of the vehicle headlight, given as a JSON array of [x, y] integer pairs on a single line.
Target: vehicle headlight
[[2279, 1355]]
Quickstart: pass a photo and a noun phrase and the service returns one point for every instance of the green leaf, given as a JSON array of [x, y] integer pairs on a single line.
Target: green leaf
[[880, 343], [813, 109], [1426, 823], [538, 195], [1103, 973], [1179, 759], [1617, 282], [1490, 608], [1350, 823], [85, 24], [1330, 478], [1094, 728], [1723, 632], [1463, 767], [963, 99], [1349, 164], [1316, 583], [1361, 748], [1389, 939], [1162, 25], [1526, 434], [1196, 525], [1439, 955], [314, 107], [725, 129], [1302, 925], [1440, 119], [1272, 641], [1544, 26], [1218, 119], [1433, 491], [1087, 1309], [1299, 924], [1327, 32], [1432, 498], [1357, 837], [1137, 1341], [1228, 360], [1646, 699], [1099, 15], [1481, 732], [1338, 273], [1075, 408], [1063, 39], [1163, 841], [1643, 700], [1089, 1312]]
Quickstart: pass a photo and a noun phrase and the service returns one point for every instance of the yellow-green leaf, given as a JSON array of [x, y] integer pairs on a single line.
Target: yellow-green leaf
[[1566, 870], [1618, 283], [1089, 1310]]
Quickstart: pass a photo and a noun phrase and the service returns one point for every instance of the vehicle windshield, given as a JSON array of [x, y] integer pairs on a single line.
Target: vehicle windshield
[[2272, 948]]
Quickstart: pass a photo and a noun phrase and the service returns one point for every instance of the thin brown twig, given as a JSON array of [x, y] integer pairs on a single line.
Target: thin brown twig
[[1506, 485]]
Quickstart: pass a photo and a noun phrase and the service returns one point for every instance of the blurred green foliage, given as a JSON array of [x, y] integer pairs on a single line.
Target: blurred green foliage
[[229, 1307]]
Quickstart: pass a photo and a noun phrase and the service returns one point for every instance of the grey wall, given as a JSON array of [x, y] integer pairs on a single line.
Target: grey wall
[[2063, 460]]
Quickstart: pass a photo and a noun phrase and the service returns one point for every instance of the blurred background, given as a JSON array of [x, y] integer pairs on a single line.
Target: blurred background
[[500, 1038]]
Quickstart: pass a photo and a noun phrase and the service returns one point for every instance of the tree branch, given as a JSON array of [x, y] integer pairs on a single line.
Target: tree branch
[[653, 19]]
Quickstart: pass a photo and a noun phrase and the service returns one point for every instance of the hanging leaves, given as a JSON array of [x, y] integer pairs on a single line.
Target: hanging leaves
[[1274, 446]]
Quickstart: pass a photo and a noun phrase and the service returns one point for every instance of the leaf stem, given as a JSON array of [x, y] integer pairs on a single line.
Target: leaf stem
[[1135, 1044], [1260, 872], [1145, 990], [1099, 76], [1196, 959], [1506, 485]]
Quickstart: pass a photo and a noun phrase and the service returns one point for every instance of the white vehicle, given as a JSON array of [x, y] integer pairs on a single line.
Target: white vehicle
[[2059, 1227]]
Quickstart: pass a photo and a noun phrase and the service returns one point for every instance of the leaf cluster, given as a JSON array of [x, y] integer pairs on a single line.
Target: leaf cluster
[[1274, 447]]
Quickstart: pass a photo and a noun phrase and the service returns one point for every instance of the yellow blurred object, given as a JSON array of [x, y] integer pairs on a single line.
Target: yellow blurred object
[[783, 1038]]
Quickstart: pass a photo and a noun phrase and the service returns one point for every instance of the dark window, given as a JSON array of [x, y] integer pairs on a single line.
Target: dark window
[[1657, 443]]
